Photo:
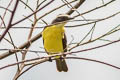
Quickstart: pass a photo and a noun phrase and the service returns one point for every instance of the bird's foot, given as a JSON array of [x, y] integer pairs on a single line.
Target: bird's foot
[[64, 55], [50, 60]]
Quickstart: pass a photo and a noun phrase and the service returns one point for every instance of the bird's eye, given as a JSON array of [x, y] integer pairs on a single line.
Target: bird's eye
[[63, 19], [59, 19]]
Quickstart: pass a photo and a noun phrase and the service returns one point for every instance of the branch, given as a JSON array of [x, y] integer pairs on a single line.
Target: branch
[[90, 41], [95, 8], [44, 59], [6, 54], [60, 54], [94, 47], [32, 14], [10, 21], [5, 9], [75, 7], [94, 61], [95, 21]]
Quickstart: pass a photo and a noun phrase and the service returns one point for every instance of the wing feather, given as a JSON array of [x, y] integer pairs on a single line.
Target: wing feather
[[64, 42]]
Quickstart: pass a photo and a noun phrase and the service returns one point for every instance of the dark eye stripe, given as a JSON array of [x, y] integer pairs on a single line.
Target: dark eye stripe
[[60, 19]]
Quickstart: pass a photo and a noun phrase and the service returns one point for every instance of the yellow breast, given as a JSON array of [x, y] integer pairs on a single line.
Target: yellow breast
[[53, 39]]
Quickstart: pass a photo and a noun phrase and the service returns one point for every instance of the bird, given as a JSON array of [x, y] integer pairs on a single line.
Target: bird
[[54, 40]]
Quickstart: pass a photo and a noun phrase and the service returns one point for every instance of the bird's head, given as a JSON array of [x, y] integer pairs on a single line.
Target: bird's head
[[61, 18]]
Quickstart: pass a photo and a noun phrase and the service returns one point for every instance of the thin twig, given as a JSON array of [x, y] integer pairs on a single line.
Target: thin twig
[[108, 33], [27, 5], [96, 8], [5, 8], [52, 56], [6, 11], [10, 21], [12, 43], [76, 6], [95, 21], [32, 13]]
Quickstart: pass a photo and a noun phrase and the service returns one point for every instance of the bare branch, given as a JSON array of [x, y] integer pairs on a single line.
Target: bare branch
[[32, 13], [10, 21], [76, 6]]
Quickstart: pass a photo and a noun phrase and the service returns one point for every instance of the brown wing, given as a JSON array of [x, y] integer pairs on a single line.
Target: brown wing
[[64, 42]]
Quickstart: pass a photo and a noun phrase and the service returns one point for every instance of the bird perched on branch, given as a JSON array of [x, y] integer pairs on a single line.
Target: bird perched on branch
[[54, 40]]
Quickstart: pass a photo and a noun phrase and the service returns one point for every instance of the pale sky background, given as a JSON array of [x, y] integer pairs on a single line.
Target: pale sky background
[[78, 69]]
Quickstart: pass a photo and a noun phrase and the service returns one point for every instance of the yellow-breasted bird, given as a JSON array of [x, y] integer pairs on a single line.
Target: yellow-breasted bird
[[54, 40]]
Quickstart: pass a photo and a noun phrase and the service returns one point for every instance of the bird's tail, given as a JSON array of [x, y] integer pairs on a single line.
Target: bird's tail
[[61, 65]]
